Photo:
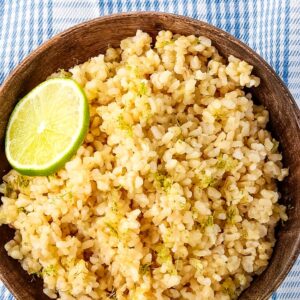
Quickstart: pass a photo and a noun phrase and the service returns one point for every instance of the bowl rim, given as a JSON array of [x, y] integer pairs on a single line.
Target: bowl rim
[[48, 43]]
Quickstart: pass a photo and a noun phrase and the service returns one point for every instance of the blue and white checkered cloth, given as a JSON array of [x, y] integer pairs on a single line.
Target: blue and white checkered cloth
[[270, 27]]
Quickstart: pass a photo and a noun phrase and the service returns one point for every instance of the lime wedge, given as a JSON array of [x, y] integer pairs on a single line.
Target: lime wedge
[[47, 127]]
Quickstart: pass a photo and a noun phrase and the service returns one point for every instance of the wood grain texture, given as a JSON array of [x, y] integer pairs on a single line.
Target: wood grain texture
[[81, 42]]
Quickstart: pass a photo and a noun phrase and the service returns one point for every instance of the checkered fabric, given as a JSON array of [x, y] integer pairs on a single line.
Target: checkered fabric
[[270, 27]]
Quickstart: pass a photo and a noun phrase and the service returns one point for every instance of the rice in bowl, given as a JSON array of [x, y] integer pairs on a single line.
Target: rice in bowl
[[172, 195]]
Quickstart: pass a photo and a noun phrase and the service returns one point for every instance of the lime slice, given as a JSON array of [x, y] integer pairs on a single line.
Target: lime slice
[[47, 127]]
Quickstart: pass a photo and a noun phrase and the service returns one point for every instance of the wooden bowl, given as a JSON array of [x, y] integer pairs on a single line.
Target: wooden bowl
[[83, 41]]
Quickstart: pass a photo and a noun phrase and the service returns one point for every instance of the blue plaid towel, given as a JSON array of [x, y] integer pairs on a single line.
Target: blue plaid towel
[[270, 27]]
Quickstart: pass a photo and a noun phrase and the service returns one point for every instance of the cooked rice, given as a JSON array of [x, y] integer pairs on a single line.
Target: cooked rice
[[172, 195]]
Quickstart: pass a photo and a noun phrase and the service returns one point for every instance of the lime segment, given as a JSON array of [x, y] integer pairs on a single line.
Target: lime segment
[[47, 127]]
